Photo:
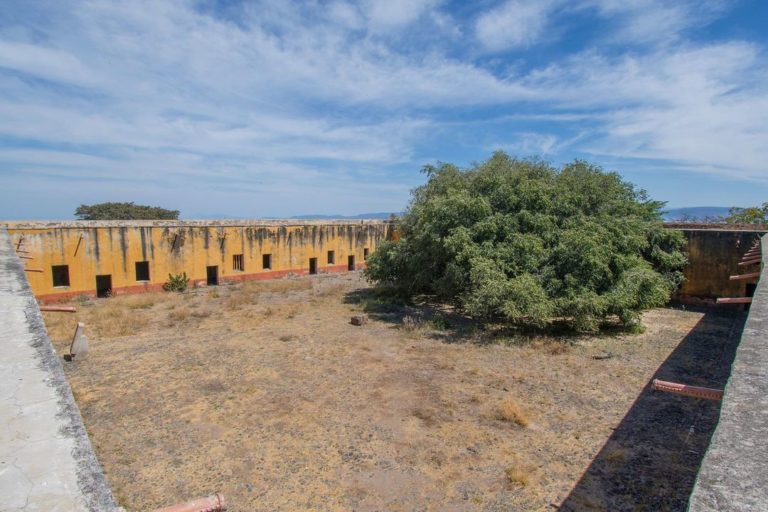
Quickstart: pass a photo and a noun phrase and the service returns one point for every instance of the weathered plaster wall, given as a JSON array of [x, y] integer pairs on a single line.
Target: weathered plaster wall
[[713, 256], [113, 248], [734, 473]]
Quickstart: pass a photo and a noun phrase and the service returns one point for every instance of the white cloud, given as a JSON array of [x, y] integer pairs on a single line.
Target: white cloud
[[654, 21], [392, 14], [516, 23], [274, 95]]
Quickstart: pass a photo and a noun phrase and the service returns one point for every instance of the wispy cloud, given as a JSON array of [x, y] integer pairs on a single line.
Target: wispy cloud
[[348, 99], [514, 23]]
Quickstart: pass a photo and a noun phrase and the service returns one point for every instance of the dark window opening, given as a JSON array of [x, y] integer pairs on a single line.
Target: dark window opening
[[237, 263], [103, 286], [142, 271], [313, 265], [212, 275], [266, 262], [60, 275], [331, 257], [351, 263], [365, 253]]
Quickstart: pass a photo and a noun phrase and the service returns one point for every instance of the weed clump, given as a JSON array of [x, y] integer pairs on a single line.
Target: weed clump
[[176, 283]]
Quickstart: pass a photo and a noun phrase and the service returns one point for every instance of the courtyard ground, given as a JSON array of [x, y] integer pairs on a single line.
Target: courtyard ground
[[265, 392]]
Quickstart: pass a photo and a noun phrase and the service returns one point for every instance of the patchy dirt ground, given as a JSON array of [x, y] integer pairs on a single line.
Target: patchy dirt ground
[[265, 392]]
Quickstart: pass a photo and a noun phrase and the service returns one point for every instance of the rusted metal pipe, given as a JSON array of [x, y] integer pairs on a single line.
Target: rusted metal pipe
[[213, 503], [741, 277], [749, 262], [734, 300], [685, 390], [59, 309]]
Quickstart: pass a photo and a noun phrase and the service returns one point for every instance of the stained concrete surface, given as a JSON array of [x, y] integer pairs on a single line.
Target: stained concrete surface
[[46, 460], [734, 472]]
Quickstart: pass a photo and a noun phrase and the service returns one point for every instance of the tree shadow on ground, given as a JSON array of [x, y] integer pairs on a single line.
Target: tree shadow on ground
[[442, 322], [651, 460]]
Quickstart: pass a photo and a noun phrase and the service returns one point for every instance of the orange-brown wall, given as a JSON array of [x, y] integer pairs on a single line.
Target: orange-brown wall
[[171, 247], [713, 256]]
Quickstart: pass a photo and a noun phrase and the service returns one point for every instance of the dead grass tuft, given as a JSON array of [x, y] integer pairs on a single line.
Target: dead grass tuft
[[617, 455], [113, 321], [177, 316], [278, 285], [510, 410], [143, 301], [520, 474], [240, 299], [410, 323]]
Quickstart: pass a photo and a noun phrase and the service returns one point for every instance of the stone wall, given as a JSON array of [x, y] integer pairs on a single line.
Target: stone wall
[[734, 473], [713, 256], [137, 256]]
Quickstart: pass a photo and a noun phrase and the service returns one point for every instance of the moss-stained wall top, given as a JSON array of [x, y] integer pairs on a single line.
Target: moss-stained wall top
[[44, 224]]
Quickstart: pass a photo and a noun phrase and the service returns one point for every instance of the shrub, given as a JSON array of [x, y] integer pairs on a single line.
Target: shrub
[[176, 282], [522, 242]]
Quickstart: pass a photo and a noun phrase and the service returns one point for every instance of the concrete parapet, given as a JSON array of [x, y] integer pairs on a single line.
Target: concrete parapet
[[46, 459], [734, 473]]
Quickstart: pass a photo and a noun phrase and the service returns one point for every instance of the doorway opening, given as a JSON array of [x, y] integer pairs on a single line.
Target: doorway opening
[[103, 286], [212, 275]]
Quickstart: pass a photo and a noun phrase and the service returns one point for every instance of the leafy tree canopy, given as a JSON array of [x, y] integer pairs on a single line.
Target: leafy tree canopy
[[523, 242], [124, 211], [753, 215]]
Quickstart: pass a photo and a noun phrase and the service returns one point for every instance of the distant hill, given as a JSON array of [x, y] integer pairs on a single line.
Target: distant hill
[[695, 213]]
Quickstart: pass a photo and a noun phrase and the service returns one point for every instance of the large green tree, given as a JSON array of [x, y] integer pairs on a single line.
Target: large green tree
[[124, 211], [523, 242]]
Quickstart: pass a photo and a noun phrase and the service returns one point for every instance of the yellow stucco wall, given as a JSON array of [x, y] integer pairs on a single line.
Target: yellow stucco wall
[[113, 247]]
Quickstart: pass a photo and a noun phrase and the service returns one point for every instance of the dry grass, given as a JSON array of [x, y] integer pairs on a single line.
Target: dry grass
[[278, 285], [272, 398], [617, 455], [511, 411], [520, 474], [178, 316], [241, 299]]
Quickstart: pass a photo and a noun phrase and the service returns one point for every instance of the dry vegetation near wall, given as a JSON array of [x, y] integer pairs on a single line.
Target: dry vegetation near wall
[[265, 392]]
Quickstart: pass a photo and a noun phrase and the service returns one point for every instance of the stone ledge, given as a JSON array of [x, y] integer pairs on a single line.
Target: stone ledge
[[734, 473]]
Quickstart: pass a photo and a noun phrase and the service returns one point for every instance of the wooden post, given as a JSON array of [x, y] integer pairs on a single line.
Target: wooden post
[[753, 275], [685, 390], [735, 300], [59, 309], [77, 247]]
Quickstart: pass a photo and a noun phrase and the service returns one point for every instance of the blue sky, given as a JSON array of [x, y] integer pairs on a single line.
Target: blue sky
[[270, 109]]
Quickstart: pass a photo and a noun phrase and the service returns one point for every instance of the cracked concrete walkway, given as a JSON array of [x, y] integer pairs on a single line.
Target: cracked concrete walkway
[[46, 460]]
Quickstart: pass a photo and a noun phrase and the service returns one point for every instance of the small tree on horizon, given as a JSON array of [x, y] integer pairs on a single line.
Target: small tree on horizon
[[124, 211], [519, 241], [750, 215]]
